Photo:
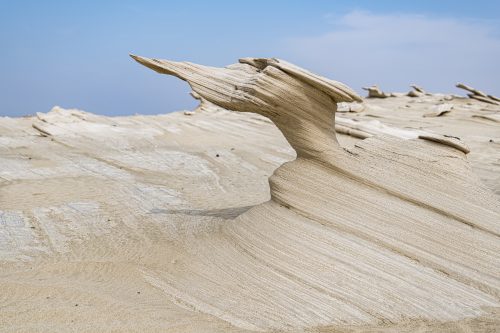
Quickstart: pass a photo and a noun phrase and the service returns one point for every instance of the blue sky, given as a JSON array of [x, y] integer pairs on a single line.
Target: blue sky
[[75, 53]]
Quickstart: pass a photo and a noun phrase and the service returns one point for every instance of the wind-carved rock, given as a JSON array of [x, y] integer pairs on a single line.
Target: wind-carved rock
[[375, 92], [350, 107], [305, 114], [479, 95], [416, 92], [391, 228], [439, 110]]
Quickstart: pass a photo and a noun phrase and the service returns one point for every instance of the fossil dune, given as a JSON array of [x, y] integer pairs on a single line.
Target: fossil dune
[[314, 199], [365, 226]]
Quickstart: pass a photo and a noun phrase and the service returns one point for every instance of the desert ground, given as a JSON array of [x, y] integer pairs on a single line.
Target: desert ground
[[276, 219]]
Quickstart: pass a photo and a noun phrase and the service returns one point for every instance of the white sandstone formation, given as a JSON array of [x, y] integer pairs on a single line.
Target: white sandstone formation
[[375, 92], [479, 95], [384, 197], [261, 219], [416, 92]]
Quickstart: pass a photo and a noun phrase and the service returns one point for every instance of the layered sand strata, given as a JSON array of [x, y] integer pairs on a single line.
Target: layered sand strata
[[168, 223]]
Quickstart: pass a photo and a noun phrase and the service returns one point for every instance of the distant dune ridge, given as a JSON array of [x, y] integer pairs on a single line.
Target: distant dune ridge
[[282, 218]]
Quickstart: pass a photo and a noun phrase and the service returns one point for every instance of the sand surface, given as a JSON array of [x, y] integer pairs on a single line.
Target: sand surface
[[170, 223]]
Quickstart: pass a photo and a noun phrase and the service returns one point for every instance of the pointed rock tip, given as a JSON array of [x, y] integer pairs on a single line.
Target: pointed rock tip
[[139, 58], [133, 56], [148, 62]]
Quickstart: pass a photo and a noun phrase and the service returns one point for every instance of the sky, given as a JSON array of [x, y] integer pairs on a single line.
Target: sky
[[75, 53]]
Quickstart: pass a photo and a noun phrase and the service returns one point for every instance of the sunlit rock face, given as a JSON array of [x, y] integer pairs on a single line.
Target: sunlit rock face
[[272, 216]]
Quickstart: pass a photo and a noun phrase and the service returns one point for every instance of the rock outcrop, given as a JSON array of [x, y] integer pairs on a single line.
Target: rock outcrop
[[350, 107], [392, 228], [439, 110], [213, 223], [416, 92], [375, 92], [479, 95]]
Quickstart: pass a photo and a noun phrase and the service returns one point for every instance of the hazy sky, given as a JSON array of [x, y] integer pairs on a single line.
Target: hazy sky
[[75, 53]]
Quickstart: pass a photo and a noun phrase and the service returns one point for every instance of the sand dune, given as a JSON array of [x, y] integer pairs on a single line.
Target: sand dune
[[280, 218]]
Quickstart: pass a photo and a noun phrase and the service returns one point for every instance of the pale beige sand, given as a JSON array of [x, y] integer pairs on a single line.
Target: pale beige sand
[[165, 223]]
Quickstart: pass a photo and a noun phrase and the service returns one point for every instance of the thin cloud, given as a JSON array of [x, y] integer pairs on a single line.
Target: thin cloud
[[399, 49]]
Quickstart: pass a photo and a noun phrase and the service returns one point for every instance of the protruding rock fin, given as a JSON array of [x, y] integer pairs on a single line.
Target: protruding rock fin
[[300, 103]]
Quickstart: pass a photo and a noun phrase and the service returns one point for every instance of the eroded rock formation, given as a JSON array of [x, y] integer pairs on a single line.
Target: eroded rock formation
[[416, 92], [375, 92], [479, 95], [392, 228], [170, 223]]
